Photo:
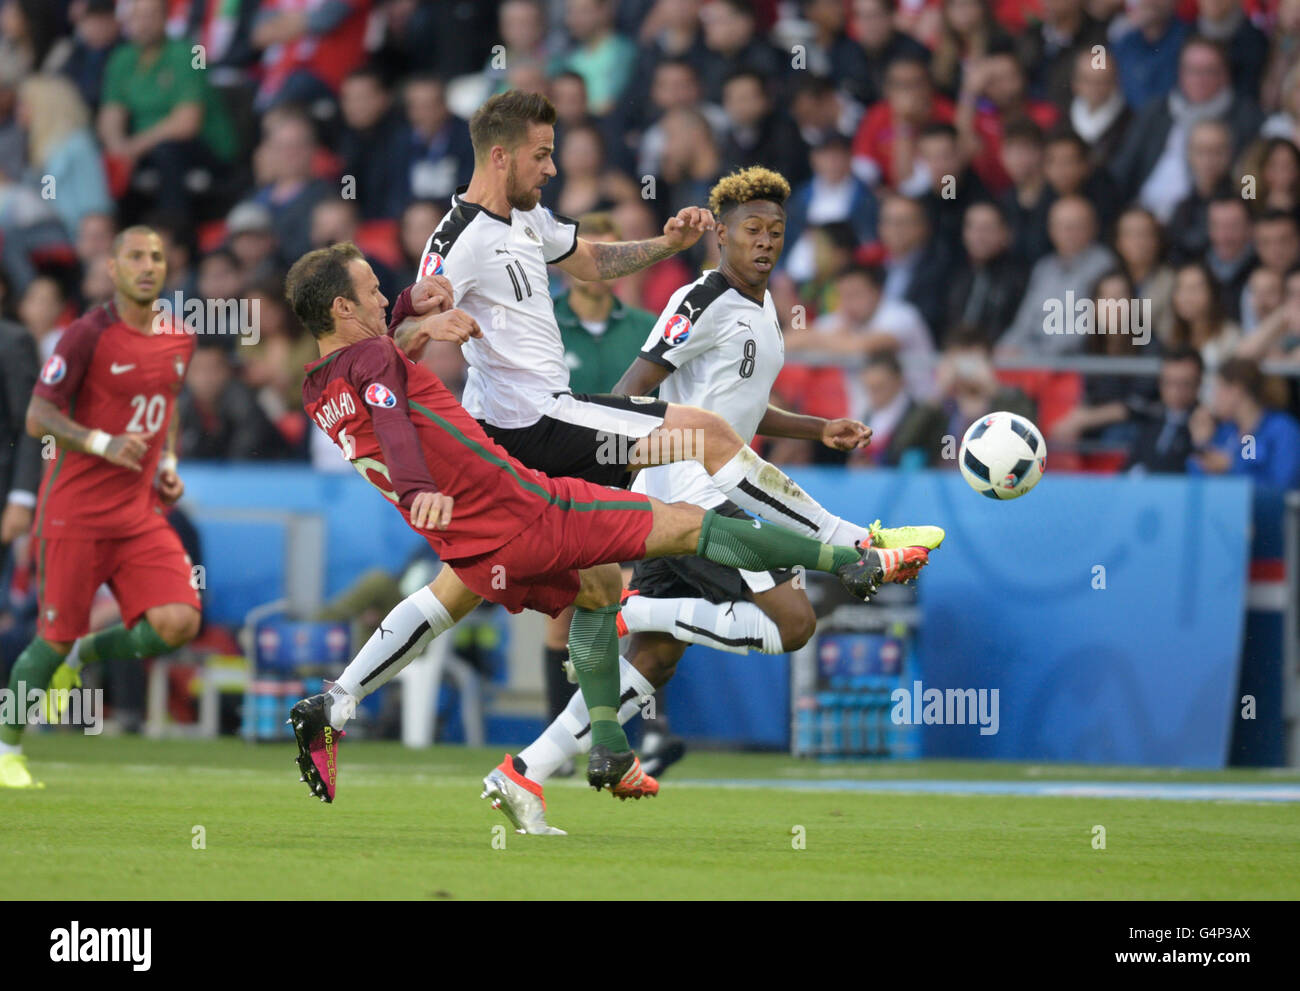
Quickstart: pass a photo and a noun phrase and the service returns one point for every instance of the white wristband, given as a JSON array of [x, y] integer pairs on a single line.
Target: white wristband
[[98, 441], [167, 462]]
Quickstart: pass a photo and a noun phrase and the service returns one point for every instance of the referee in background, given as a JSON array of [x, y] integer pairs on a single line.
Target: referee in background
[[20, 455]]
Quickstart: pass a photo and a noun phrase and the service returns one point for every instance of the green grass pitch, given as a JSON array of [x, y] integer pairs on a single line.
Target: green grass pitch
[[117, 819]]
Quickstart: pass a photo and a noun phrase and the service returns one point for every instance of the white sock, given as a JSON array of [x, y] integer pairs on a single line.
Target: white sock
[[765, 490], [391, 647], [570, 734], [73, 660], [736, 627], [10, 748]]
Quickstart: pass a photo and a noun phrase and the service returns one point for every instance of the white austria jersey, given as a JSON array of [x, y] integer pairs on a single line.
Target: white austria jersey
[[725, 350], [498, 269]]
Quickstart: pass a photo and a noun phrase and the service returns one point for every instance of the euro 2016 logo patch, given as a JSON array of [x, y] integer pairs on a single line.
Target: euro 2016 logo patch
[[54, 370], [677, 330], [380, 395], [432, 264]]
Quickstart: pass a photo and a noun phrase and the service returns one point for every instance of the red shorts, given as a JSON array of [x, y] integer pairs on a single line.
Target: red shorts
[[585, 525], [145, 570]]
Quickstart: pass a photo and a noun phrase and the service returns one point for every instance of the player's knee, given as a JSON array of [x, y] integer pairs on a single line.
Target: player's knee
[[797, 628], [599, 587], [176, 625]]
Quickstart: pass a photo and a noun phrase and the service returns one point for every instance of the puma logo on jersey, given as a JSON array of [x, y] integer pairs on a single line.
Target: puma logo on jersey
[[117, 369], [504, 251], [691, 311], [758, 525], [440, 244]]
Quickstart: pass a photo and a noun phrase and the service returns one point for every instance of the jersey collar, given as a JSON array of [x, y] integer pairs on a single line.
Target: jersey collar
[[469, 207]]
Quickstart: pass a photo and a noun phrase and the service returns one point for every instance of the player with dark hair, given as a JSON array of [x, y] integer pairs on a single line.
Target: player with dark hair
[[726, 364], [107, 396], [494, 247], [505, 532]]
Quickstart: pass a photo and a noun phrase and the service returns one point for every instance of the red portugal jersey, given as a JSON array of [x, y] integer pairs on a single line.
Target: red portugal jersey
[[406, 433], [109, 377]]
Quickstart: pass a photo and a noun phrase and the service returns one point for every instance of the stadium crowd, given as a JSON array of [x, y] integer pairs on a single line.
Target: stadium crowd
[[985, 191]]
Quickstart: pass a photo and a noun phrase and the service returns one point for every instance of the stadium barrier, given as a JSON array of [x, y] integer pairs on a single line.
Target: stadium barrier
[[1108, 611]]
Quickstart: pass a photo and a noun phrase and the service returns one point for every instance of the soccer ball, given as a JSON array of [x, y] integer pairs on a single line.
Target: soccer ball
[[1002, 456]]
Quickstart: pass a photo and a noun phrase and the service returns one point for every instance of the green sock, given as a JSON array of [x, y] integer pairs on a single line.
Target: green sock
[[757, 546], [33, 670], [118, 643], [593, 648]]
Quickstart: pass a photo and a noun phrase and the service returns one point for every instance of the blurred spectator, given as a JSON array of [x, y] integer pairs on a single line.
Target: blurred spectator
[[916, 265], [372, 129], [61, 149], [969, 388], [1068, 273], [1026, 203], [1098, 112], [902, 429], [225, 30], [1237, 435], [96, 284], [833, 195], [986, 286], [418, 221], [274, 366], [691, 164], [96, 38], [875, 32], [1209, 157], [676, 85], [1139, 245], [730, 34], [95, 236], [159, 117], [251, 239], [289, 189], [1277, 337], [951, 184], [1285, 121], [1068, 173], [1161, 440], [1148, 54], [820, 111], [20, 453], [677, 37], [29, 35], [1199, 320], [441, 155], [601, 335], [1122, 328], [586, 182], [1276, 165], [759, 132], [28, 222], [1052, 46], [219, 417], [521, 28], [1231, 254], [1277, 246], [830, 51], [43, 311], [334, 221], [599, 54], [968, 32], [1225, 22], [884, 147], [178, 253], [220, 278], [864, 323], [1151, 165], [308, 47], [994, 92]]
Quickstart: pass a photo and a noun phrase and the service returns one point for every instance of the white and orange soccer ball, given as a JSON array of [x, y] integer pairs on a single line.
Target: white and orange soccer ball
[[1002, 455]]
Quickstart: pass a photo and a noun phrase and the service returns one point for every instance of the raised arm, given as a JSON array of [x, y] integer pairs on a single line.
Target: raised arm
[[594, 261]]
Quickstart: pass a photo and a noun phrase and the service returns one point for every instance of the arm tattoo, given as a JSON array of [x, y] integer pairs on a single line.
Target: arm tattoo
[[625, 257]]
